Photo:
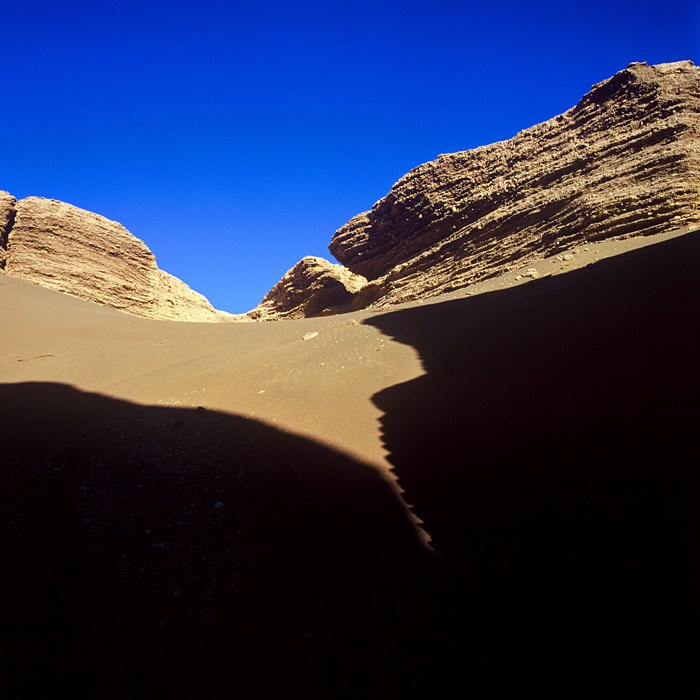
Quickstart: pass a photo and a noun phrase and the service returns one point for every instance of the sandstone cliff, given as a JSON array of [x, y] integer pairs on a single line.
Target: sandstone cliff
[[624, 161], [313, 286], [88, 256], [7, 218]]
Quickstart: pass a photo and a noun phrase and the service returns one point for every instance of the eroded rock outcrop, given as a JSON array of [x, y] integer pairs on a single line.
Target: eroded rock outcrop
[[313, 286], [74, 251], [7, 218], [624, 161]]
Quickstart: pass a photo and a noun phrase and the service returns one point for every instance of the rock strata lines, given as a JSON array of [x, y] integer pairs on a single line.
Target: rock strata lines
[[623, 162], [74, 251]]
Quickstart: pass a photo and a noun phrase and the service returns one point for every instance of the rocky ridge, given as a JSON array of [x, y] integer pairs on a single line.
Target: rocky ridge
[[70, 250], [625, 161]]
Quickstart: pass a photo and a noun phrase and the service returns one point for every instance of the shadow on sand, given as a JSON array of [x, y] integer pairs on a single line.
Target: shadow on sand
[[169, 552], [551, 449]]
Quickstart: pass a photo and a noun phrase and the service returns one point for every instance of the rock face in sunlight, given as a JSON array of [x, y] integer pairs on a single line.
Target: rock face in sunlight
[[7, 217], [625, 161], [70, 250], [312, 287]]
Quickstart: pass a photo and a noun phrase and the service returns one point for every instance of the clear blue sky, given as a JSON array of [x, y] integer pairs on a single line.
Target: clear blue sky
[[235, 137]]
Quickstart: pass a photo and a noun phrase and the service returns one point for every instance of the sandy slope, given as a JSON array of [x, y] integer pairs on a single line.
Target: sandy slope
[[544, 428], [319, 387]]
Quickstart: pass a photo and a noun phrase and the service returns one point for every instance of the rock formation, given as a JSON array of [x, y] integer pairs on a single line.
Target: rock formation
[[624, 161], [313, 286], [7, 218], [88, 256]]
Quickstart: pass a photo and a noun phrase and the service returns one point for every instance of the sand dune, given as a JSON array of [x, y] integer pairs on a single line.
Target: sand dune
[[201, 510]]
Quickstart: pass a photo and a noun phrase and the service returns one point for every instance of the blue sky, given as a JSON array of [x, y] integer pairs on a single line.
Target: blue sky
[[235, 137]]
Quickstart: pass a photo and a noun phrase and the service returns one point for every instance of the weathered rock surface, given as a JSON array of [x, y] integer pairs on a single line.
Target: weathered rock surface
[[7, 218], [313, 286], [74, 251], [625, 161]]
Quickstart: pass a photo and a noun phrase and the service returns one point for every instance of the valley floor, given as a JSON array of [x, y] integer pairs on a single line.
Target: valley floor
[[219, 510]]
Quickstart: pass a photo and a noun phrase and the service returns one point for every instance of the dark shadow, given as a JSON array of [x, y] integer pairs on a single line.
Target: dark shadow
[[551, 449], [169, 552]]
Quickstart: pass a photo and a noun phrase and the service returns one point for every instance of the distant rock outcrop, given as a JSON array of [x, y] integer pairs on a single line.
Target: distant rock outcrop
[[625, 161], [70, 250], [313, 286]]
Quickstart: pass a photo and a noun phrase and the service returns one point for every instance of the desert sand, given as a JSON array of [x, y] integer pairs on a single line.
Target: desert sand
[[221, 510]]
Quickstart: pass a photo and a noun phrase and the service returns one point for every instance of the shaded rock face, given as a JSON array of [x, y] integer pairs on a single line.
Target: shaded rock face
[[70, 250], [313, 286], [623, 162]]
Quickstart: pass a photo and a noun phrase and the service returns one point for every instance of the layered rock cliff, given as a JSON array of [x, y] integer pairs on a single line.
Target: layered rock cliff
[[7, 218], [625, 161], [70, 250]]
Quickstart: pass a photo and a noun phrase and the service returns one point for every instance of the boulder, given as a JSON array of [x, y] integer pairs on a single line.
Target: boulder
[[312, 287]]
